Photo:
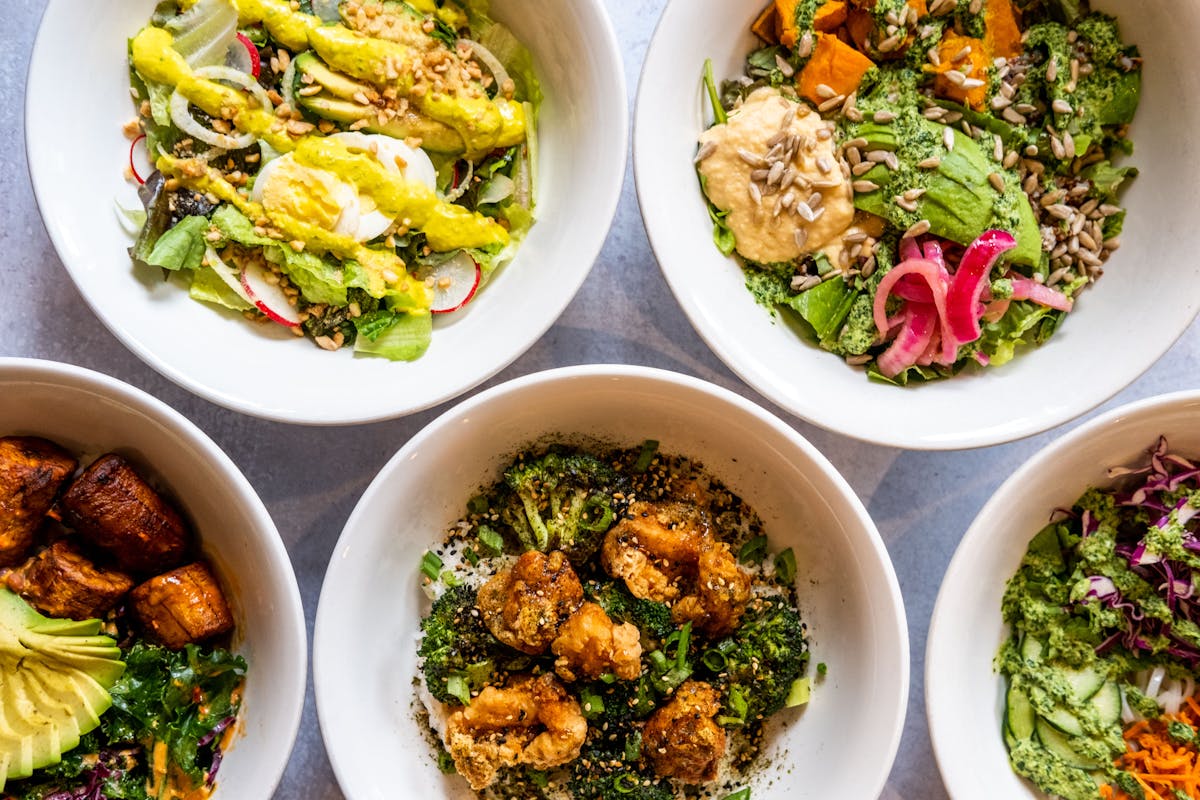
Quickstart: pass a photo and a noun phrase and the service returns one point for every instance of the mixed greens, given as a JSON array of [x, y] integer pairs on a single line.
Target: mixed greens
[[916, 132], [344, 169], [1104, 614], [540, 567]]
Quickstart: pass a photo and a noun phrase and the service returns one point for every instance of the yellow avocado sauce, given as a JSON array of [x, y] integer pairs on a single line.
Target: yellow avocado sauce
[[446, 226]]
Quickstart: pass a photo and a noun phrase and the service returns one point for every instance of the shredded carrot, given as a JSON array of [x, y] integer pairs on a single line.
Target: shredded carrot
[[1159, 763]]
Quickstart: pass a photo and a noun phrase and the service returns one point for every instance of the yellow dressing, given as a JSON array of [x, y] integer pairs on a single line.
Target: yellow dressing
[[449, 13], [290, 28], [446, 226], [405, 292]]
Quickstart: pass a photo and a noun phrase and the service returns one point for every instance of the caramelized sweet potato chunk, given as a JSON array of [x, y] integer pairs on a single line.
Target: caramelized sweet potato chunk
[[31, 472], [112, 507], [62, 582], [182, 606]]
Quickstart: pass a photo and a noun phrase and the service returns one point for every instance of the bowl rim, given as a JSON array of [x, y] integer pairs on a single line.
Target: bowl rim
[[748, 372], [609, 51], [75, 377], [1131, 414], [894, 614]]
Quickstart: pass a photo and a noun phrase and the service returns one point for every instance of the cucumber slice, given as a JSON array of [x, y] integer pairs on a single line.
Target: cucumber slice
[[1058, 744], [1019, 714], [1084, 683], [1032, 649], [1064, 721], [1107, 703]]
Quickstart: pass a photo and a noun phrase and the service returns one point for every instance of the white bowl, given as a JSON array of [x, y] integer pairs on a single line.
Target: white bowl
[[1148, 296], [90, 414], [77, 152], [963, 693], [364, 652]]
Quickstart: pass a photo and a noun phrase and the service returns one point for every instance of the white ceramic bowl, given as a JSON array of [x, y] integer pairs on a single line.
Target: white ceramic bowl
[[1147, 298], [77, 152], [364, 653], [963, 694], [90, 414]]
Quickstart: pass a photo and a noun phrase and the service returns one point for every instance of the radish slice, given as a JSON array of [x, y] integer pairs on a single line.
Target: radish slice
[[138, 155], [453, 282], [227, 274], [243, 56], [268, 297], [962, 299]]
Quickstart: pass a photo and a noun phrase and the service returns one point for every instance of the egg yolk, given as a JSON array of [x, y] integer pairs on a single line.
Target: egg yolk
[[304, 193]]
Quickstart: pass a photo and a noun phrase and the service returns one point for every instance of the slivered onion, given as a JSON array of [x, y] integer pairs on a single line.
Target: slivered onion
[[488, 58], [181, 114], [287, 84]]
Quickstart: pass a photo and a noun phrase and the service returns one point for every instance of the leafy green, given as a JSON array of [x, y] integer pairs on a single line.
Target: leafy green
[[180, 247], [406, 339], [208, 287], [825, 307]]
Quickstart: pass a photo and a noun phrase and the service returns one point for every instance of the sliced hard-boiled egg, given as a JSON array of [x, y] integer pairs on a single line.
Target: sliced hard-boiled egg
[[394, 156], [332, 202]]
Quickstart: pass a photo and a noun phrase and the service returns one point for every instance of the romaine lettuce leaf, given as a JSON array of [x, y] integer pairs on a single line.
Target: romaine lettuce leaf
[[180, 247], [403, 337], [208, 287]]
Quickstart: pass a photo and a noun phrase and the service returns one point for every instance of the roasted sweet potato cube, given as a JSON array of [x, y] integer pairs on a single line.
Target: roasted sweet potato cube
[[182, 606], [31, 472], [62, 582], [112, 507]]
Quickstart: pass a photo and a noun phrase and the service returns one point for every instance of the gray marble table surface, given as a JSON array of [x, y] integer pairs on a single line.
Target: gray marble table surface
[[922, 502]]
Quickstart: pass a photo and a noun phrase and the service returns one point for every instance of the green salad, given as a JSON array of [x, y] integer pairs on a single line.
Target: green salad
[[926, 187], [608, 623], [343, 169], [1104, 653]]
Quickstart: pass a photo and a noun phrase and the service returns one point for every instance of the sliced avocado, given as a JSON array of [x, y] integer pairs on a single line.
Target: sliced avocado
[[54, 681], [336, 102]]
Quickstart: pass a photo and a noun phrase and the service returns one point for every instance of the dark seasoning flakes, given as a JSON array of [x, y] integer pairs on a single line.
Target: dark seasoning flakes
[[485, 542]]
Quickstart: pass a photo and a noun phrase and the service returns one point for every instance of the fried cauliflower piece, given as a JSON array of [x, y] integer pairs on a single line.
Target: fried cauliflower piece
[[681, 738], [531, 721], [666, 553], [524, 606], [590, 644]]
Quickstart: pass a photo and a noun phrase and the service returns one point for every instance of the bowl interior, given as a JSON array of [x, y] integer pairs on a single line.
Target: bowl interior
[[77, 179], [848, 592], [1127, 316], [964, 694], [90, 414]]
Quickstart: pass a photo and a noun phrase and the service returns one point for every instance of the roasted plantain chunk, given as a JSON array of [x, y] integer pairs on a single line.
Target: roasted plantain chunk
[[62, 582], [31, 472], [112, 507], [182, 606]]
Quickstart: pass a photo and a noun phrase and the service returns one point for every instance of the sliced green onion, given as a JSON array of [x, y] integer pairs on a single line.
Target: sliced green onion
[[649, 449], [457, 686], [822, 668], [538, 778], [713, 97], [591, 702], [597, 514], [658, 659], [633, 746], [608, 677], [753, 551], [800, 692], [740, 794], [785, 567], [445, 762], [714, 660], [471, 556], [451, 579], [479, 672], [491, 542], [431, 565], [626, 782], [477, 504]]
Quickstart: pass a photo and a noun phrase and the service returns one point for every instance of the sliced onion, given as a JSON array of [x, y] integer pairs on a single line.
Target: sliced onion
[[500, 187], [461, 186], [287, 84], [912, 341], [226, 273], [487, 58], [327, 10], [181, 114], [970, 279], [204, 32]]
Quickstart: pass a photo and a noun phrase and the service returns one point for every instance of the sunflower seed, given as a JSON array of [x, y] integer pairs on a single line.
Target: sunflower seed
[[787, 69], [1109, 210], [1010, 159], [853, 114], [831, 103], [1056, 276], [892, 162], [817, 213], [918, 228], [753, 159], [776, 173], [789, 117], [800, 237], [868, 267], [954, 76], [777, 138], [1052, 71], [803, 283], [935, 57], [788, 199], [948, 138], [889, 44], [877, 156], [1113, 243], [934, 112], [760, 175], [1061, 107], [884, 117], [862, 187], [1012, 115], [914, 193], [907, 205], [815, 199], [853, 155], [825, 165], [997, 148], [804, 50], [825, 91], [932, 162], [1060, 211], [972, 83], [1000, 102], [706, 150], [755, 194], [996, 181], [975, 7], [1068, 143], [858, 170], [804, 211]]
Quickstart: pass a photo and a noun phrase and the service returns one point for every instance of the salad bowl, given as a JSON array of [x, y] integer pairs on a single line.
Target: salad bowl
[[848, 593], [965, 695], [1119, 326], [89, 414], [263, 370]]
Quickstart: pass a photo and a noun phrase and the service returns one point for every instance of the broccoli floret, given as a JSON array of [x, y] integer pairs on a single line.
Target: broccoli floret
[[760, 661], [560, 501], [651, 618], [606, 774], [460, 654]]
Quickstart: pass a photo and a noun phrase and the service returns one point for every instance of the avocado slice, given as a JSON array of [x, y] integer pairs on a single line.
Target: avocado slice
[[336, 102], [54, 682]]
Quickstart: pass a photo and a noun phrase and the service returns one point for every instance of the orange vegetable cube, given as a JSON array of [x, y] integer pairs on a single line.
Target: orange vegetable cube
[[766, 27], [1002, 35], [830, 16], [977, 60], [788, 33], [835, 64]]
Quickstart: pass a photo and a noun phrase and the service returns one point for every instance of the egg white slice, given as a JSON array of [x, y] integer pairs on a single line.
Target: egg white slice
[[390, 153]]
